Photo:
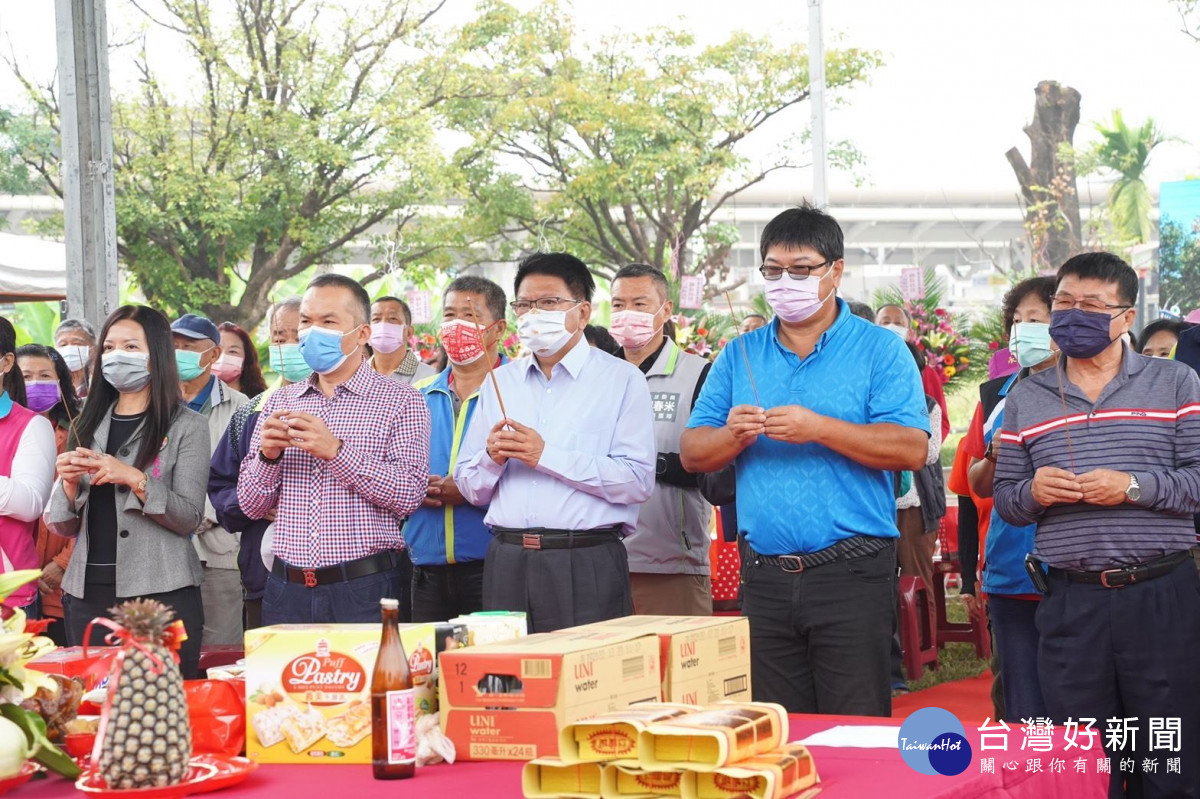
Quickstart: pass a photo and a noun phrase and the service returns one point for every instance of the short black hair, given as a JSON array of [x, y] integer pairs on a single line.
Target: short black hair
[[1173, 326], [804, 226], [564, 266], [598, 336], [1105, 267], [492, 294], [1043, 287], [861, 310], [361, 299], [754, 316], [404, 309], [645, 270]]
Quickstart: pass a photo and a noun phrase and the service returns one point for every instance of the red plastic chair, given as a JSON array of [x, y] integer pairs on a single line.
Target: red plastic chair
[[918, 627], [975, 629]]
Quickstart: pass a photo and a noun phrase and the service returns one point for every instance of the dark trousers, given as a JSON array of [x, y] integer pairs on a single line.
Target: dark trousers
[[443, 592], [345, 602], [820, 640], [405, 565], [558, 588], [252, 613], [1015, 634], [1128, 653], [189, 608]]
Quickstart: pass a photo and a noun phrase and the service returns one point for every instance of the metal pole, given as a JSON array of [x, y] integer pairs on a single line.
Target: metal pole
[[816, 81], [89, 210]]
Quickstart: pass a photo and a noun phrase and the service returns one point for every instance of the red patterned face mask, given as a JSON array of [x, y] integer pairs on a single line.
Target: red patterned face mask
[[461, 341]]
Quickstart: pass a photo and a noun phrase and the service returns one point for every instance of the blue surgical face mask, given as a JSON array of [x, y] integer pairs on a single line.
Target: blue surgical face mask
[[322, 348], [286, 360], [188, 363], [1030, 342], [1081, 334]]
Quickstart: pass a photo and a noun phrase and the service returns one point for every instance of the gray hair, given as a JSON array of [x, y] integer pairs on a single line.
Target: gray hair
[[286, 304], [82, 325]]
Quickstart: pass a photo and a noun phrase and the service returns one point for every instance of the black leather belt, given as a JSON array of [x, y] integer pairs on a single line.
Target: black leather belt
[[1125, 575], [341, 573], [857, 546], [547, 538]]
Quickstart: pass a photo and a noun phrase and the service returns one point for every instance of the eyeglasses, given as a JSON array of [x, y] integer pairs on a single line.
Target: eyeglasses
[[794, 272], [1065, 302], [542, 304]]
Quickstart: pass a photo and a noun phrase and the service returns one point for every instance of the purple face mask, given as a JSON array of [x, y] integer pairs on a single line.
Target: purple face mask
[[41, 395], [1081, 334]]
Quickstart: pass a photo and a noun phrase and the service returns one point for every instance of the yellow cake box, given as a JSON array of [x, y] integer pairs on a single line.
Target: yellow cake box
[[628, 782], [718, 735], [550, 778], [308, 688], [774, 775], [613, 737]]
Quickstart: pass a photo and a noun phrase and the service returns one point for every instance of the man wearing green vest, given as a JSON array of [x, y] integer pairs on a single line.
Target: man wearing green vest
[[446, 537], [668, 552]]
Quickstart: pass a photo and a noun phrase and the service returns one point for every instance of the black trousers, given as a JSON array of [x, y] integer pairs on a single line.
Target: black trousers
[[1128, 653], [440, 593], [820, 640], [558, 588], [98, 598]]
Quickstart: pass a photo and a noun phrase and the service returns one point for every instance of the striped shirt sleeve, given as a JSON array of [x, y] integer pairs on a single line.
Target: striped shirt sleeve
[[1178, 490], [1012, 492]]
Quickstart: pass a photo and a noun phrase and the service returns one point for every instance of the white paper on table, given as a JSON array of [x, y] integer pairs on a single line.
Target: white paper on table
[[857, 737]]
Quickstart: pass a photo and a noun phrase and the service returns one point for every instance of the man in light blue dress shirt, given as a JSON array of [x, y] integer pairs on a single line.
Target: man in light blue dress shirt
[[563, 475]]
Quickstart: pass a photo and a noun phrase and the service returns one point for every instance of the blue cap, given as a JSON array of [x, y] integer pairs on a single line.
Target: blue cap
[[197, 327]]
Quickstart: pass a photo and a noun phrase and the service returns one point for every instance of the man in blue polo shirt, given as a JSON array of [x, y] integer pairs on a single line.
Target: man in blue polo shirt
[[834, 406], [447, 537]]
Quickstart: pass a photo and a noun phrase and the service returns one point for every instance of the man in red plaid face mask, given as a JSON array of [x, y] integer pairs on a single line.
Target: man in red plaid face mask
[[447, 537]]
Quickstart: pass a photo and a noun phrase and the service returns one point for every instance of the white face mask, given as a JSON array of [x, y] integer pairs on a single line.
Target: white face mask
[[899, 330], [75, 356], [544, 333]]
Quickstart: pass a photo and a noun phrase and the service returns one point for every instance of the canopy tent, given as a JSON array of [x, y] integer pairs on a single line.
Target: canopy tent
[[32, 269]]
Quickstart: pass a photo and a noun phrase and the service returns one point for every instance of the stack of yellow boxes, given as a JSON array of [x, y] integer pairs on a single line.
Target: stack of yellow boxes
[[655, 749]]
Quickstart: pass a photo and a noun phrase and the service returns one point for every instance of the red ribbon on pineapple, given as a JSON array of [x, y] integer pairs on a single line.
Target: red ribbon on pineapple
[[173, 638]]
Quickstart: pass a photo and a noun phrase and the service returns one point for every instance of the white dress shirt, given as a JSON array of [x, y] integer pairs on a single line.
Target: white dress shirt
[[25, 494]]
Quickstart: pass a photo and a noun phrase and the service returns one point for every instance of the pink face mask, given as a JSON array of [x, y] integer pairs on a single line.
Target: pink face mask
[[796, 300], [634, 329], [387, 337], [228, 368]]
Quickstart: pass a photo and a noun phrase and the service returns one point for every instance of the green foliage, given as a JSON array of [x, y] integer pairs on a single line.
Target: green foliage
[[296, 142], [1178, 265], [21, 134], [1124, 152], [622, 151], [45, 752], [35, 322]]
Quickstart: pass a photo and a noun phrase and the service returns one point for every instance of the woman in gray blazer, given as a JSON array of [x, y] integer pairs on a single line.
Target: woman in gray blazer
[[131, 484]]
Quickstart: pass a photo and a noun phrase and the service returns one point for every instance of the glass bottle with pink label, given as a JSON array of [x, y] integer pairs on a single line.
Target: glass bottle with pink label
[[393, 707]]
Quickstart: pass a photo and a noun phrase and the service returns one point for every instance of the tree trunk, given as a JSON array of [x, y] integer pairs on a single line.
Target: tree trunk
[[1048, 180]]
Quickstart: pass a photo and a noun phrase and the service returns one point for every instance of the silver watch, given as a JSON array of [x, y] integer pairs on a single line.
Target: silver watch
[[1134, 492]]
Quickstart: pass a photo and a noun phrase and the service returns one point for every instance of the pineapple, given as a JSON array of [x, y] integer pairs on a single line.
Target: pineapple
[[148, 740]]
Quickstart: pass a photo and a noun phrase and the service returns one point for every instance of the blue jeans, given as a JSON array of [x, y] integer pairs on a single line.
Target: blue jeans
[[342, 602], [1016, 638]]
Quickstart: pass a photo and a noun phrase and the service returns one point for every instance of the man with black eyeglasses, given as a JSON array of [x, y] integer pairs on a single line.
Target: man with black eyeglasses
[[817, 409], [563, 473], [1102, 453]]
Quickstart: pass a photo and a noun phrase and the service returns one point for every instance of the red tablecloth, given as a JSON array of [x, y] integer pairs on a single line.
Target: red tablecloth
[[845, 774]]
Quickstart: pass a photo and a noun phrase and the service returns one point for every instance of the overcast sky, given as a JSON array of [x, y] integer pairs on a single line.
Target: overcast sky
[[956, 88]]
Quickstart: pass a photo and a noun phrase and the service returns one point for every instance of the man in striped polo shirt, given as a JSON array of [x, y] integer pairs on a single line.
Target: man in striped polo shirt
[[1103, 454]]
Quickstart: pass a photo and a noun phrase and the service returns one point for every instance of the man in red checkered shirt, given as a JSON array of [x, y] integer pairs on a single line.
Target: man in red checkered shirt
[[342, 458]]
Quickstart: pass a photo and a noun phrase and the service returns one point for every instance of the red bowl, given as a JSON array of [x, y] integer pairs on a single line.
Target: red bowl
[[79, 744]]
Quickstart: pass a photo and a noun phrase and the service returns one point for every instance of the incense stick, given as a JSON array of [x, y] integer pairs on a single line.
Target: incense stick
[[745, 356], [490, 366], [1062, 397]]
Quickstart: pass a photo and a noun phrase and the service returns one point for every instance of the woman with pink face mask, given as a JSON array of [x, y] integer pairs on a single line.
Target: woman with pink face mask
[[238, 367], [50, 392], [833, 409]]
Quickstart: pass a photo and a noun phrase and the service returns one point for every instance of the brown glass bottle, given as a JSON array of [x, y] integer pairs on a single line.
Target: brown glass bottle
[[393, 709]]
